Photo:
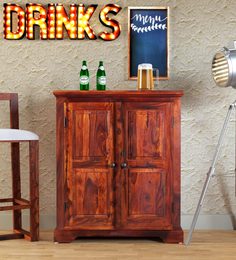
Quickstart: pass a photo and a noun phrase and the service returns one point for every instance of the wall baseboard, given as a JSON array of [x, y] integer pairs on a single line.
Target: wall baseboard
[[211, 222]]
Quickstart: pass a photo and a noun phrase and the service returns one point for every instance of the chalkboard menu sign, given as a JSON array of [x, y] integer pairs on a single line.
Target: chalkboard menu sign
[[148, 39]]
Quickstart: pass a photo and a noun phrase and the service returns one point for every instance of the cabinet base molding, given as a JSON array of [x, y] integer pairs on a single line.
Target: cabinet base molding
[[168, 236]]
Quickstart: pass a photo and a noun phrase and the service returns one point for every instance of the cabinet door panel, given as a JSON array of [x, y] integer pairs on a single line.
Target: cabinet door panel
[[89, 177], [146, 194], [91, 132], [90, 192], [147, 125]]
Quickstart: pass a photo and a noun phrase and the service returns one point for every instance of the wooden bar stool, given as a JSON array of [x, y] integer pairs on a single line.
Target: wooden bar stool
[[15, 136]]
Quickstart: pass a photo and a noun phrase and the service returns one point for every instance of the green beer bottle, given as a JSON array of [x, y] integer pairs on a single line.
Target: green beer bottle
[[101, 77], [84, 77]]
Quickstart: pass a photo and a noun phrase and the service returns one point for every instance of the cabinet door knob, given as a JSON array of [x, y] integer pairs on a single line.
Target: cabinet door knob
[[124, 165], [113, 165]]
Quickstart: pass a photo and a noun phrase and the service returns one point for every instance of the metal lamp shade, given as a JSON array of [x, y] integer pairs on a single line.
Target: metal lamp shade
[[224, 68]]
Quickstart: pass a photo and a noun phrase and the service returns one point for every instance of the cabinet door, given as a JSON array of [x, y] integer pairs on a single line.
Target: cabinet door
[[89, 175], [146, 191]]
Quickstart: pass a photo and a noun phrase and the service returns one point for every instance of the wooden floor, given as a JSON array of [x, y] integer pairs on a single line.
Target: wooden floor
[[205, 245]]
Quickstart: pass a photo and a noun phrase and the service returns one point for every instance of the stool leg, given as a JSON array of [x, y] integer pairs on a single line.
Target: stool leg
[[34, 189], [16, 186]]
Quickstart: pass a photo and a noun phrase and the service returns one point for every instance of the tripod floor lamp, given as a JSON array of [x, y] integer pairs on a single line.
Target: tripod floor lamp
[[224, 75]]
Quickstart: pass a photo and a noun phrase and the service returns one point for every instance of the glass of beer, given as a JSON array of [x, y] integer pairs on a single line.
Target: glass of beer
[[145, 77]]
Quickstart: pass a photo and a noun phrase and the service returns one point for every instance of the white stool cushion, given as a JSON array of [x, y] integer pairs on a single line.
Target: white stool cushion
[[9, 135]]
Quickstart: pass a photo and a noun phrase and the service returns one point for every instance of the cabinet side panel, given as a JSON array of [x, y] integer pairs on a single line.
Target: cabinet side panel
[[61, 159], [176, 162]]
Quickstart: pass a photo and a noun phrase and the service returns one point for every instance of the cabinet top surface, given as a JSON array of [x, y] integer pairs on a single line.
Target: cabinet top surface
[[118, 93]]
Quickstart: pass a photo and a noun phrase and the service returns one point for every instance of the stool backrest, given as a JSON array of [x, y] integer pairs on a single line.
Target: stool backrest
[[14, 112]]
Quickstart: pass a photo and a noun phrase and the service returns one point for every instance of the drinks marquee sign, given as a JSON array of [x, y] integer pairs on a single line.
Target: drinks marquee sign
[[54, 19]]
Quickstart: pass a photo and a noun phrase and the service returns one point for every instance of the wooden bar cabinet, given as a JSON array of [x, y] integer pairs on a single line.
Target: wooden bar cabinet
[[118, 164]]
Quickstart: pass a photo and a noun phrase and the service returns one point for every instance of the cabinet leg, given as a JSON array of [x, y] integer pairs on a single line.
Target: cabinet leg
[[34, 190], [62, 236], [175, 236]]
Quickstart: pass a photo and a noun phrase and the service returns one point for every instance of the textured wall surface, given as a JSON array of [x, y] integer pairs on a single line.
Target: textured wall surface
[[197, 30]]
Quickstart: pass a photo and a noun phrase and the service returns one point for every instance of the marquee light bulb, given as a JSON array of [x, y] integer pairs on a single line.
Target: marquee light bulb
[[54, 20], [83, 22], [8, 33], [69, 22], [114, 25], [32, 20]]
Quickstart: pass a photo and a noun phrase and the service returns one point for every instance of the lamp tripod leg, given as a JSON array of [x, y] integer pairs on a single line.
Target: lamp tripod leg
[[210, 173]]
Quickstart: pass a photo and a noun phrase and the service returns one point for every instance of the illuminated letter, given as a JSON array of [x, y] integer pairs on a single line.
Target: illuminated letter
[[69, 23], [8, 10], [51, 21], [113, 24], [83, 24], [36, 15]]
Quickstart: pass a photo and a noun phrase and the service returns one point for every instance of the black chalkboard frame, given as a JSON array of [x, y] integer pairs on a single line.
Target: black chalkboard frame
[[131, 43]]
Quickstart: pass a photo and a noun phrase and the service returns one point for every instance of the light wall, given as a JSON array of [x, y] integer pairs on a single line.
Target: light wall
[[197, 30]]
